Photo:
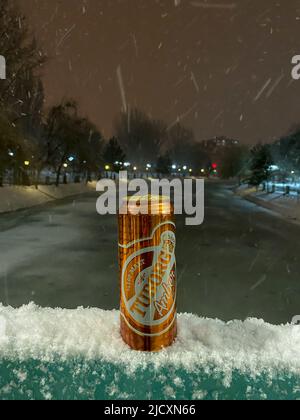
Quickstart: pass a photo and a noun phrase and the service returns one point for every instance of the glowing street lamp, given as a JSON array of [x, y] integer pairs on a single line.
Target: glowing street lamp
[[107, 167], [135, 168], [174, 167], [185, 168], [26, 163], [65, 165]]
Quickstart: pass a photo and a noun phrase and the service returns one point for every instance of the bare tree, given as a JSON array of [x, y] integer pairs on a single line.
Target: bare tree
[[23, 58], [140, 136], [67, 134], [181, 142]]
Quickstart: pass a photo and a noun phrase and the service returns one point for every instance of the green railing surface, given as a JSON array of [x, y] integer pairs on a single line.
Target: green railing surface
[[78, 354]]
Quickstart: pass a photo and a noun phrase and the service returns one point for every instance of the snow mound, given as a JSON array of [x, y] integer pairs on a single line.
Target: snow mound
[[251, 347]]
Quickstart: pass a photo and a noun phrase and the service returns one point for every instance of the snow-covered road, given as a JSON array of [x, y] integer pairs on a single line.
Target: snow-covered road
[[243, 262]]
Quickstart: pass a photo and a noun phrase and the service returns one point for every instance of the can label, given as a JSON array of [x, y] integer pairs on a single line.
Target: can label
[[149, 282]]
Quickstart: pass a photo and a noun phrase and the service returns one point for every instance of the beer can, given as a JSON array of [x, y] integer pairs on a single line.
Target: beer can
[[147, 261]]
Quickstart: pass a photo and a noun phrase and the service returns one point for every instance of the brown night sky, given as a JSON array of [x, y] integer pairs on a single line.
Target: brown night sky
[[204, 62]]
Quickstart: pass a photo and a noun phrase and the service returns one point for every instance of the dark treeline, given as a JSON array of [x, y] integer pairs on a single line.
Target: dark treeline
[[30, 138]]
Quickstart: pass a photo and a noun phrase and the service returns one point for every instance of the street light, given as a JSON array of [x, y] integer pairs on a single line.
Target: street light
[[65, 165], [135, 168], [185, 168], [174, 167], [107, 167], [26, 163]]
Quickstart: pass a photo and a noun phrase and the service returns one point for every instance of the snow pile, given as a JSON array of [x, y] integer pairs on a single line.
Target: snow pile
[[252, 347], [287, 206], [18, 198], [69, 190]]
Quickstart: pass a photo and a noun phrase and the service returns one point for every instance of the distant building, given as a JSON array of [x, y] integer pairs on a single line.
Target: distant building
[[217, 142], [216, 148]]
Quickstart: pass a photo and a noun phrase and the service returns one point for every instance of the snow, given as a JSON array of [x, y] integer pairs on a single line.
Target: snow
[[287, 206], [17, 198], [251, 347]]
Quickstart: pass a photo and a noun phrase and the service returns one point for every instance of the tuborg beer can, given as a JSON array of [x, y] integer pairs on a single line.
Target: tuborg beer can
[[148, 274]]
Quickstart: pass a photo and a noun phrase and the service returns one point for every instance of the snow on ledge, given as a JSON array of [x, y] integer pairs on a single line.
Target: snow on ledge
[[252, 347]]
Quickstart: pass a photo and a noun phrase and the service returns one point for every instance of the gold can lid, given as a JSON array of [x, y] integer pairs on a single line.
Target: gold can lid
[[149, 204]]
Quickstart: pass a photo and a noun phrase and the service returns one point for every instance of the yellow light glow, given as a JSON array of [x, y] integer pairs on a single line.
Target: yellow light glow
[[26, 163], [107, 167]]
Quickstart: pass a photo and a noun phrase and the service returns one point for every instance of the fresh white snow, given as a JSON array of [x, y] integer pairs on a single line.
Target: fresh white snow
[[252, 347], [16, 198]]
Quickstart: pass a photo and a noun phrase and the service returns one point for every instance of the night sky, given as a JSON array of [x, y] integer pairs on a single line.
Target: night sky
[[221, 67]]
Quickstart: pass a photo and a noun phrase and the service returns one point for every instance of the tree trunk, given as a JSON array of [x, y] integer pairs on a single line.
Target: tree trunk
[[58, 172], [37, 178], [25, 179], [88, 177]]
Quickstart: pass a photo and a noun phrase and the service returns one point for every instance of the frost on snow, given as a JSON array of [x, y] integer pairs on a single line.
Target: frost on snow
[[252, 347]]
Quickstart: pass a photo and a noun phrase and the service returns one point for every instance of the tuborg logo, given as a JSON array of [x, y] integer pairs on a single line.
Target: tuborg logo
[[2, 68], [148, 282]]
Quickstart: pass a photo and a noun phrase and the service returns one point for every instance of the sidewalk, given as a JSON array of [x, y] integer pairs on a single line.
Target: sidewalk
[[284, 205], [19, 198]]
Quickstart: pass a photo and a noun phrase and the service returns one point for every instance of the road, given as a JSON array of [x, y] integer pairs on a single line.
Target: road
[[242, 262]]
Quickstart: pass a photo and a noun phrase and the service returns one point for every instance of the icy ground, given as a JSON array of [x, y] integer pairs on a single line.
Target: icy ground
[[243, 262]]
